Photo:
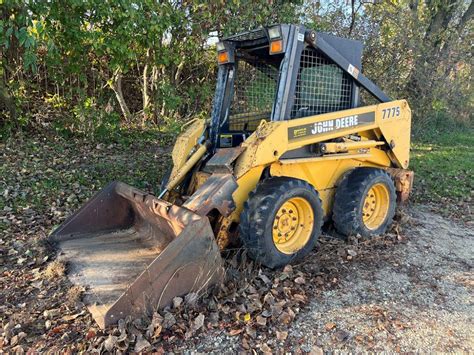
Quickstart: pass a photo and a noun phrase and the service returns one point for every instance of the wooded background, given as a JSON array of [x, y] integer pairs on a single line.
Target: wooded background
[[91, 67]]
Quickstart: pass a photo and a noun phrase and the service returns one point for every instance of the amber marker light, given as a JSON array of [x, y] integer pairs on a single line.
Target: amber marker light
[[276, 46], [223, 57]]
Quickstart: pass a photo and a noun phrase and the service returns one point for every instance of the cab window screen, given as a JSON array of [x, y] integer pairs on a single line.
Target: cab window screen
[[321, 86], [254, 93]]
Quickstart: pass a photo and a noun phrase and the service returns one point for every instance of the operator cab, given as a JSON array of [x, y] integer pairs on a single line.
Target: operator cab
[[283, 72]]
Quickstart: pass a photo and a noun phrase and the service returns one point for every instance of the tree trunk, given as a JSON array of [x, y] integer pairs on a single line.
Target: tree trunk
[[456, 34], [177, 74], [7, 103], [146, 92], [154, 87], [427, 55], [116, 86]]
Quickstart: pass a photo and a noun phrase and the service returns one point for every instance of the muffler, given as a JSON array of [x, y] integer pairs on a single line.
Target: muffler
[[134, 252]]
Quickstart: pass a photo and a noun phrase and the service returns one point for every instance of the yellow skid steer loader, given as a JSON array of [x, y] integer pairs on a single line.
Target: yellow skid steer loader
[[289, 145]]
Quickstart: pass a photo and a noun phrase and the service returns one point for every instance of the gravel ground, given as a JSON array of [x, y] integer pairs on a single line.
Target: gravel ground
[[417, 296], [418, 299]]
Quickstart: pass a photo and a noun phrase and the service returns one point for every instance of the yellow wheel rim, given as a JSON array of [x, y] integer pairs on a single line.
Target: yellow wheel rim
[[293, 225], [376, 206]]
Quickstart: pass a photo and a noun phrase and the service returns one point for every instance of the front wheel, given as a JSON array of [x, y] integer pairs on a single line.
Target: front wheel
[[281, 221]]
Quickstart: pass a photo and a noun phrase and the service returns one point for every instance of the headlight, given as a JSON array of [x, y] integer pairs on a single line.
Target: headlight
[[220, 46], [274, 32]]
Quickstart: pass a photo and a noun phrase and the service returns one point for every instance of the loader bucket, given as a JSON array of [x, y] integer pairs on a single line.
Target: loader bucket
[[134, 252]]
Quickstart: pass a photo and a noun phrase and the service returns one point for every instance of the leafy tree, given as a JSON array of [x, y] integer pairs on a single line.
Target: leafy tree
[[87, 62]]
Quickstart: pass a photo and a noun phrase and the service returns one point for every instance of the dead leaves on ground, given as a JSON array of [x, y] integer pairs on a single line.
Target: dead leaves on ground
[[47, 181]]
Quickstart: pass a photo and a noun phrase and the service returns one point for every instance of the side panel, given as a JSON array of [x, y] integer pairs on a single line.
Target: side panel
[[394, 119], [323, 175], [266, 146], [272, 139], [390, 121]]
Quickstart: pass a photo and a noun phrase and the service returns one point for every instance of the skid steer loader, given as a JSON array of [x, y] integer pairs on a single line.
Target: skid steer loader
[[289, 145]]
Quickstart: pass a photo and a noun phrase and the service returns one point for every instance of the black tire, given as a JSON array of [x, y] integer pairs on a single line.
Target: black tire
[[258, 215], [350, 198]]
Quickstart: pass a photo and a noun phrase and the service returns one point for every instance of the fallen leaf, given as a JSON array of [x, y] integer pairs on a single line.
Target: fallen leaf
[[285, 318], [245, 344], [300, 280], [141, 343], [90, 334], [110, 342], [157, 332], [177, 302], [261, 320], [14, 340], [198, 322], [234, 332], [265, 349], [269, 299], [251, 331], [351, 252], [281, 335], [69, 317], [264, 278], [341, 335], [169, 320], [191, 298], [330, 325], [51, 313], [299, 298], [316, 350]]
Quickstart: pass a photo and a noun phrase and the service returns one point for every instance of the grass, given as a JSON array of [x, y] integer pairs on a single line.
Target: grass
[[44, 175], [443, 163]]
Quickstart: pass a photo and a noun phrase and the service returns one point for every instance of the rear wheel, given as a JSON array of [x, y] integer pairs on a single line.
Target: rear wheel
[[365, 202], [281, 221]]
